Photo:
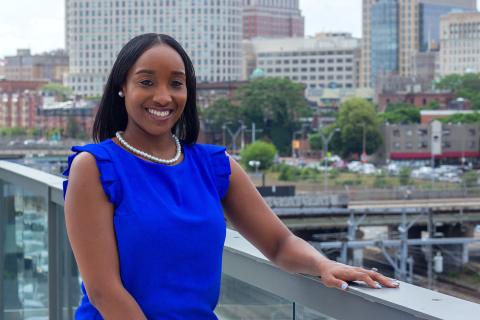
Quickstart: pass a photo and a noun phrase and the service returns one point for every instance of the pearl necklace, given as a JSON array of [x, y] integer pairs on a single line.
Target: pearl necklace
[[149, 156]]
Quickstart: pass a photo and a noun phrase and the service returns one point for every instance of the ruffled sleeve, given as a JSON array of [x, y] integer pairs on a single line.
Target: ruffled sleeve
[[220, 167], [108, 175]]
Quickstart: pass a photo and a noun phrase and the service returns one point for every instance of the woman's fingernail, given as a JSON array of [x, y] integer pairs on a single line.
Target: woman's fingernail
[[344, 286], [396, 283], [378, 285]]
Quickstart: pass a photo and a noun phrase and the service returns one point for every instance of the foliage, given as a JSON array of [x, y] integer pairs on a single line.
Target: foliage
[[404, 115], [219, 113], [355, 116], [275, 105], [404, 176], [381, 180], [470, 179], [462, 118], [261, 151], [73, 130], [13, 132], [465, 86], [58, 90]]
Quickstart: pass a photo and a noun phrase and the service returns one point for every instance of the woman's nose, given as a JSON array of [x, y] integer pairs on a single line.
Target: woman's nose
[[162, 96]]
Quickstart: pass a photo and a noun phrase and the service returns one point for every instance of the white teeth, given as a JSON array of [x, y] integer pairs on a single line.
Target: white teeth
[[159, 113]]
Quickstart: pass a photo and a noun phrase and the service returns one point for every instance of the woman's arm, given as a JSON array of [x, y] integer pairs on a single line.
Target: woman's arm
[[89, 221], [252, 217]]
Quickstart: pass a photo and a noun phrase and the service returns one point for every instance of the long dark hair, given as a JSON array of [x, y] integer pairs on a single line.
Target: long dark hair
[[112, 114]]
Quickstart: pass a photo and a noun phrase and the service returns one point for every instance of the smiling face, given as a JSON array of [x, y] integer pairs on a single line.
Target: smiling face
[[155, 91]]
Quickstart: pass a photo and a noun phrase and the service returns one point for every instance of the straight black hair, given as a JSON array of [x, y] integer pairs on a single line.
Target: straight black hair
[[112, 114]]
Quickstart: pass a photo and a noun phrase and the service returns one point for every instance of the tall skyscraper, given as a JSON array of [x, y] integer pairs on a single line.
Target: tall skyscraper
[[210, 31], [272, 19], [417, 29]]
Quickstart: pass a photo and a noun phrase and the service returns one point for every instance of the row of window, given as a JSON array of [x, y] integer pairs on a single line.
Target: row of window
[[312, 69], [424, 132], [305, 53], [305, 61], [424, 145]]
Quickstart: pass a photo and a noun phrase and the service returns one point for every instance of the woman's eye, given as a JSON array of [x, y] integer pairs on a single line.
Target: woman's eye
[[146, 83], [177, 83]]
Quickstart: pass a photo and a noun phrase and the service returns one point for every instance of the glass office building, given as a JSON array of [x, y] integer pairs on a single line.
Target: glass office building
[[384, 38], [430, 24]]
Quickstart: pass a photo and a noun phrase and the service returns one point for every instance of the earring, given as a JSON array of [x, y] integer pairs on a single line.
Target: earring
[[121, 94]]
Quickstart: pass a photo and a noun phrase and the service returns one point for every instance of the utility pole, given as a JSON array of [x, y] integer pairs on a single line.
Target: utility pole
[[325, 142]]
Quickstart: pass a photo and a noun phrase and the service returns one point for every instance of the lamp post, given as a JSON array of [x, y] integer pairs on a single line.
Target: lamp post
[[325, 142]]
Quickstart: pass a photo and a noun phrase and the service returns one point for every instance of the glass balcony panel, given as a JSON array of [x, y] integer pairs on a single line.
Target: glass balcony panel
[[239, 300], [23, 254], [304, 313], [69, 276]]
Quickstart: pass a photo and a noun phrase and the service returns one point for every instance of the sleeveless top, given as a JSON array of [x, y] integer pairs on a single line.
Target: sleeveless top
[[169, 227]]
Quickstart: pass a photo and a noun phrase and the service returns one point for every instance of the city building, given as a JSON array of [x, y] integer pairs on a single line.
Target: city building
[[331, 99], [272, 19], [11, 86], [51, 66], [457, 142], [460, 45], [210, 31], [440, 100], [2, 69], [19, 109], [395, 31], [207, 93], [54, 114], [328, 60]]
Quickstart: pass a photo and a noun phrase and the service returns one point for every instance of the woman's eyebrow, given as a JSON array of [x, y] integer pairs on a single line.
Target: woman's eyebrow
[[147, 71], [178, 72]]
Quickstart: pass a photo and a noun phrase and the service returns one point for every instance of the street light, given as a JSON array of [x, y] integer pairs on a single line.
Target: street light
[[325, 142]]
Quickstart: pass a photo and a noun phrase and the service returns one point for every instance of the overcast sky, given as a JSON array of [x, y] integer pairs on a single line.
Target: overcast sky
[[39, 24]]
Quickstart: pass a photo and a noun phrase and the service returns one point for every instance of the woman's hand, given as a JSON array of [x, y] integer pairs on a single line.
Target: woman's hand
[[335, 274]]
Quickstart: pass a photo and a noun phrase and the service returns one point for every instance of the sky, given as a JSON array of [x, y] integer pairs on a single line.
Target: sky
[[39, 24]]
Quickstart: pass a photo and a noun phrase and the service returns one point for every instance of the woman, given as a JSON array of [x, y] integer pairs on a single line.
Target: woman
[[143, 208]]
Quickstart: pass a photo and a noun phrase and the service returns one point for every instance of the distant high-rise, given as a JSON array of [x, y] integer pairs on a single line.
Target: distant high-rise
[[272, 19], [460, 45], [417, 29], [210, 31]]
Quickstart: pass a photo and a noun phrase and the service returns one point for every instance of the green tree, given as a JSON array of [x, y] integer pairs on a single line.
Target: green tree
[[404, 115], [356, 117], [58, 90], [261, 151], [275, 105], [464, 86], [404, 176], [470, 179], [220, 112]]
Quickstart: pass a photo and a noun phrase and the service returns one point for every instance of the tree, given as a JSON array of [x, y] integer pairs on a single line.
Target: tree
[[275, 105], [261, 151], [356, 117], [404, 115], [220, 112], [470, 179], [465, 86], [404, 176], [58, 90]]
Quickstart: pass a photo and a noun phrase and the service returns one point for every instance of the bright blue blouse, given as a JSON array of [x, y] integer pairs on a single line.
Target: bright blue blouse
[[169, 227]]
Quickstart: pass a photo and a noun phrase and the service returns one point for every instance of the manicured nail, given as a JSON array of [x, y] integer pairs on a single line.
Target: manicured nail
[[396, 283], [344, 286], [378, 285]]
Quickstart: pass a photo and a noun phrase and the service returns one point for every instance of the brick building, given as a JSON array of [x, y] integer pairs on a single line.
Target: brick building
[[419, 99], [272, 19]]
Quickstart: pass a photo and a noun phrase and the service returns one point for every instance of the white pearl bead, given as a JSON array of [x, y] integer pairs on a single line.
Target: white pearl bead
[[149, 156]]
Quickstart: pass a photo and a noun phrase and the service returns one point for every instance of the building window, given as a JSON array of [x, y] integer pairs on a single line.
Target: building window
[[409, 132], [396, 145], [423, 145], [472, 132], [422, 132], [447, 144], [409, 145], [396, 133]]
